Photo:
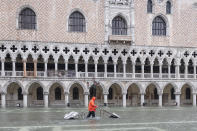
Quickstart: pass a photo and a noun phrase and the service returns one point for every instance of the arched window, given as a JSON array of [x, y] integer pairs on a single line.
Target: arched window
[[159, 27], [75, 93], [188, 93], [27, 19], [20, 95], [58, 93], [172, 94], [77, 22], [110, 95], [168, 7], [149, 6], [39, 93], [155, 94], [119, 26]]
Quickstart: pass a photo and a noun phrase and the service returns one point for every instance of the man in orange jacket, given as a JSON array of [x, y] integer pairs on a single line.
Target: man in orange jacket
[[92, 107]]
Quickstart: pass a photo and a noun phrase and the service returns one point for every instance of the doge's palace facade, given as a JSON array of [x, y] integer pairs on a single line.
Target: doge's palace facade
[[125, 52]]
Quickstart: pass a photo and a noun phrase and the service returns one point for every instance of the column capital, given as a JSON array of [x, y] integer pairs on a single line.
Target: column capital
[[3, 93], [46, 93], [25, 93], [124, 93], [24, 61], [86, 93], [35, 61], [194, 93], [177, 93], [66, 93]]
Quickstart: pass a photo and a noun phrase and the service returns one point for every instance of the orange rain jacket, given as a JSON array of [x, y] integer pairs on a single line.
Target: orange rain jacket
[[92, 106]]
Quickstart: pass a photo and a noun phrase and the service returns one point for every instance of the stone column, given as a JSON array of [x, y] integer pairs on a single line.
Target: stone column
[[86, 69], [142, 74], [66, 98], [66, 65], [186, 70], [2, 67], [13, 68], [124, 70], [160, 70], [194, 71], [133, 70], [177, 71], [105, 99], [169, 71], [142, 99], [46, 99], [3, 100], [86, 99], [45, 69], [35, 68], [76, 69], [56, 68], [115, 75], [194, 99], [24, 68], [124, 100], [105, 74], [151, 69], [24, 100], [160, 100], [177, 99], [96, 74]]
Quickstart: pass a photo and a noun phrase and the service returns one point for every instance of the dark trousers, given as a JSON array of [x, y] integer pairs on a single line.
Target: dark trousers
[[91, 113]]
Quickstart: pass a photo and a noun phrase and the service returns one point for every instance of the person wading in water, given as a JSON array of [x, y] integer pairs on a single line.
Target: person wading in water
[[92, 107]]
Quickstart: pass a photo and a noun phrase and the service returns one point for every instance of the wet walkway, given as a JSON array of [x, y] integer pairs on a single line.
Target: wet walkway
[[132, 119]]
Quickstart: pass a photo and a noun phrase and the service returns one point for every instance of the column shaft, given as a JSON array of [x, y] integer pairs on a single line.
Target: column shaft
[[124, 70], [45, 69], [3, 67], [46, 100], [3, 101], [35, 68], [194, 99], [86, 100], [194, 71], [133, 70], [13, 68], [76, 69], [105, 99], [66, 99], [105, 74], [142, 99], [24, 69], [124, 100], [160, 100], [25, 100], [142, 74], [169, 71], [186, 70], [177, 71], [151, 70], [96, 70], [160, 71], [115, 75], [86, 69], [178, 99]]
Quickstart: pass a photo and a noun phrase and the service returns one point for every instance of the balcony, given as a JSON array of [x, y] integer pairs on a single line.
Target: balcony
[[123, 39], [117, 75]]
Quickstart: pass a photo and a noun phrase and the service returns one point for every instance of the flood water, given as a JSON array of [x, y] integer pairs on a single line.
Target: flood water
[[132, 119]]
